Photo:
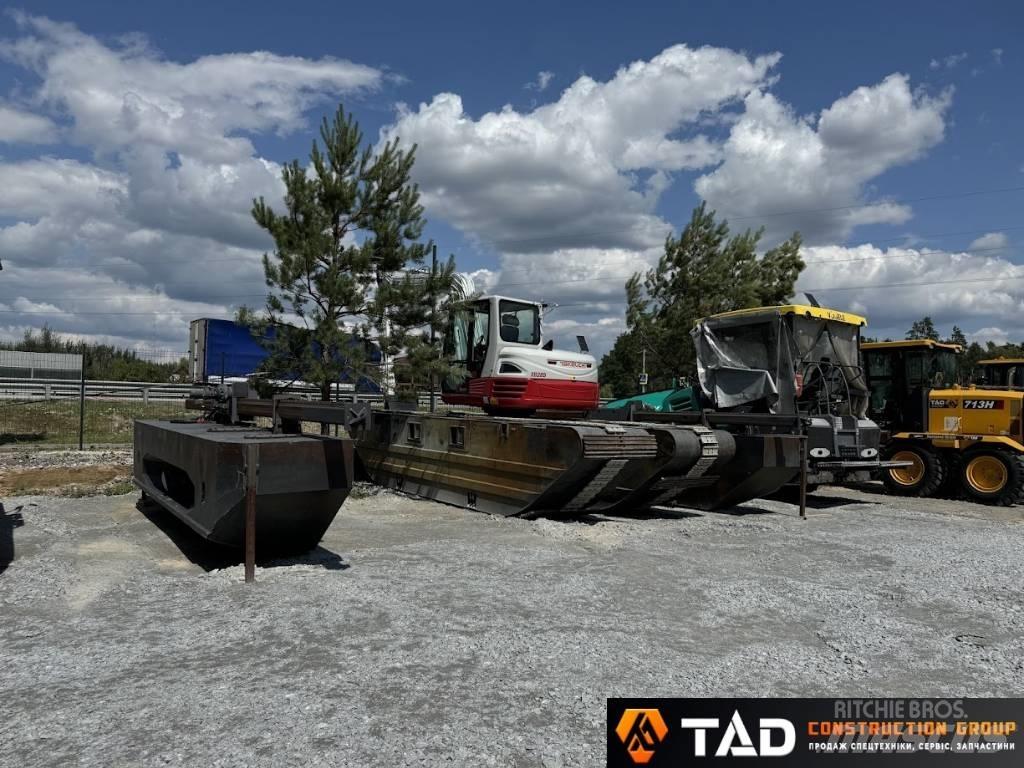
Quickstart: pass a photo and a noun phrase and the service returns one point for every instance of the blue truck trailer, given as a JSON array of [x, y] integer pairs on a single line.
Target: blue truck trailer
[[225, 349]]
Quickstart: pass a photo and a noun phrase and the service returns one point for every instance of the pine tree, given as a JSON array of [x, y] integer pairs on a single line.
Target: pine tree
[[346, 278], [958, 337], [704, 271], [923, 329]]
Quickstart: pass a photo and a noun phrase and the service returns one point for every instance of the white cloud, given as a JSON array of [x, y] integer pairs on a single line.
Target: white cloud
[[543, 80], [989, 242], [994, 334], [895, 286], [160, 218], [20, 127], [951, 61], [577, 169], [997, 56], [778, 162], [566, 191]]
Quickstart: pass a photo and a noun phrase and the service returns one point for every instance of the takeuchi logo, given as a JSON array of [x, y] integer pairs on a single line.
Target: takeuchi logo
[[641, 730]]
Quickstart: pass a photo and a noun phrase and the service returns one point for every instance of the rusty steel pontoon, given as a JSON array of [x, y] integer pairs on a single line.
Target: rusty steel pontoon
[[197, 471], [555, 467]]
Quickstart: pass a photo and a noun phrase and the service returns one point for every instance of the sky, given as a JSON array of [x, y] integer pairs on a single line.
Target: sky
[[558, 144]]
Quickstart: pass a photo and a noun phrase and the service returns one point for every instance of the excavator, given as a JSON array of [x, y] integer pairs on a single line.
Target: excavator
[[509, 369], [956, 439]]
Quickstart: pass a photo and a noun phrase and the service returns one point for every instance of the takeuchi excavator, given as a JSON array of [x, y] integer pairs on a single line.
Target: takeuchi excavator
[[510, 370]]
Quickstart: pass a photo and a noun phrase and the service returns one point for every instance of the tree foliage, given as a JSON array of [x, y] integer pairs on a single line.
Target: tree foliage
[[104, 361], [703, 271], [923, 329], [347, 275]]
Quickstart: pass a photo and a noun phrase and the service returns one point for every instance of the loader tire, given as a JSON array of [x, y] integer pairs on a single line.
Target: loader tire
[[953, 487], [993, 476], [925, 476]]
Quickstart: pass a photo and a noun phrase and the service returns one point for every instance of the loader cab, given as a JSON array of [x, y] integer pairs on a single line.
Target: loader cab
[[1001, 373], [509, 369], [900, 375]]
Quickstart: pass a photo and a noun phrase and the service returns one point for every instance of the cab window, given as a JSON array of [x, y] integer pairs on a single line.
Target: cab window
[[519, 323]]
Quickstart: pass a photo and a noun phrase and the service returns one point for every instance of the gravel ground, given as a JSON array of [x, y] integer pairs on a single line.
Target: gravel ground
[[14, 459], [423, 634]]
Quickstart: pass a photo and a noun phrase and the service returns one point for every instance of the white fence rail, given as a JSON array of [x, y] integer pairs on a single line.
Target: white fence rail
[[145, 391]]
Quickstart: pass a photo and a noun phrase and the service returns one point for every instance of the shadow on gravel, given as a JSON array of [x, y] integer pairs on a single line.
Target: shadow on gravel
[[8, 522], [822, 501], [213, 557]]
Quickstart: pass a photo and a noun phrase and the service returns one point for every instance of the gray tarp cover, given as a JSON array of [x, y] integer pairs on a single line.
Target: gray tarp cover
[[727, 380], [745, 359]]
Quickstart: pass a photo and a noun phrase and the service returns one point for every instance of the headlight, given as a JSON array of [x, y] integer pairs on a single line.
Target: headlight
[[820, 453], [869, 453]]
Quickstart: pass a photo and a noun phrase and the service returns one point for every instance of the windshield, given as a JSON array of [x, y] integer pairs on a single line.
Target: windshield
[[824, 340], [467, 335], [520, 322], [752, 345]]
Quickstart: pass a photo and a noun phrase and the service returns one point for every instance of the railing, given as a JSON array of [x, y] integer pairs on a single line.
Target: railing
[[51, 412]]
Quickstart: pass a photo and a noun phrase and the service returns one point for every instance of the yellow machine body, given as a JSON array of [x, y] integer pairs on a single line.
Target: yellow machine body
[[958, 439]]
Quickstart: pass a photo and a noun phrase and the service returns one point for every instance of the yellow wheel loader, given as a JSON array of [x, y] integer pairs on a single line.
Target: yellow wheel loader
[[958, 439]]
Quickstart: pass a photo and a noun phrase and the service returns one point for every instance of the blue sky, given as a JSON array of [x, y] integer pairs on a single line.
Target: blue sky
[[938, 115]]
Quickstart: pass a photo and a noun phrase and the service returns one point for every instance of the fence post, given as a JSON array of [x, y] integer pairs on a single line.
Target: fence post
[[145, 395], [81, 406]]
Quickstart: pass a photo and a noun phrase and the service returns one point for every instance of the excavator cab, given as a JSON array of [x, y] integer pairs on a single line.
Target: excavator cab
[[508, 368]]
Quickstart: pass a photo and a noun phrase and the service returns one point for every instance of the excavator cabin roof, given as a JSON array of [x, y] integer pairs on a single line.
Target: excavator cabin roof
[[821, 313], [1003, 361], [912, 344]]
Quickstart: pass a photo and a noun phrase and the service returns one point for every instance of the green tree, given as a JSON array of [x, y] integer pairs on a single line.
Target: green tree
[[347, 275], [923, 329], [958, 337], [703, 271]]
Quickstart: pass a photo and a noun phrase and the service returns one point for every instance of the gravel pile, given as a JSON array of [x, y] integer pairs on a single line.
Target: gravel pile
[[419, 634], [49, 459]]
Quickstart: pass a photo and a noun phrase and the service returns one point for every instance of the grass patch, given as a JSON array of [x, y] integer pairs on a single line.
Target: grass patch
[[43, 422]]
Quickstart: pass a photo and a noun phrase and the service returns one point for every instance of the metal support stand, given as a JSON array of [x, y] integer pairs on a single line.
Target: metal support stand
[[81, 406], [803, 477], [252, 476]]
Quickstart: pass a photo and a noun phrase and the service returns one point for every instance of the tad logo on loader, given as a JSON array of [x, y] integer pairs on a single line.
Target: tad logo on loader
[[958, 439]]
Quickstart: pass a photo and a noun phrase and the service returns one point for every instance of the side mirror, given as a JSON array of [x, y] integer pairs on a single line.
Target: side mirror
[[582, 341]]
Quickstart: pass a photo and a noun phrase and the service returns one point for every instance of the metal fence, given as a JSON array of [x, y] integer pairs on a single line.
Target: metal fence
[[52, 412], [46, 413]]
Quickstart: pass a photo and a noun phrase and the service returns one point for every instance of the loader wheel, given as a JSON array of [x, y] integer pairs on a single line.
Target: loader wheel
[[925, 475], [993, 476]]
